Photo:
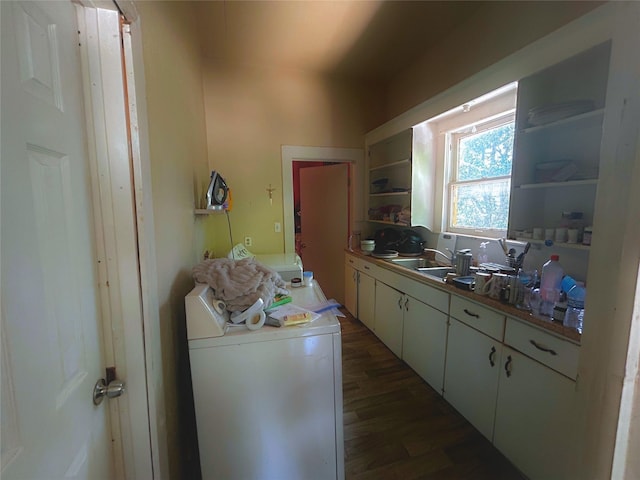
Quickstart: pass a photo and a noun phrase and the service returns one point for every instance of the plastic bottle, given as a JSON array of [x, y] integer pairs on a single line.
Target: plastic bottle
[[483, 257], [552, 273], [575, 307]]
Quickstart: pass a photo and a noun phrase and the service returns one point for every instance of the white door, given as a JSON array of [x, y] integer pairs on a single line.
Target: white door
[[324, 225], [389, 314], [471, 376], [51, 327], [424, 341]]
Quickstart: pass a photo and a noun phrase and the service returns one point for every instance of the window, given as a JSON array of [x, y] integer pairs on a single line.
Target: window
[[479, 164]]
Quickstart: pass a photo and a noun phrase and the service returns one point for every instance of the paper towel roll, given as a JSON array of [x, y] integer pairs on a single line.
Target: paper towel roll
[[256, 321]]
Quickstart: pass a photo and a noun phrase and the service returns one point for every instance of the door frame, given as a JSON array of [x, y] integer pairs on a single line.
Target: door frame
[[123, 211], [291, 153]]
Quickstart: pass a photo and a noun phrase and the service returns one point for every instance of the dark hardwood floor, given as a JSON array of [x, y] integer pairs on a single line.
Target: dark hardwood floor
[[397, 427]]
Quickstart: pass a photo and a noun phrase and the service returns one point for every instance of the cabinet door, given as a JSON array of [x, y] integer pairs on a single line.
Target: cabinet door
[[366, 299], [351, 289], [424, 339], [471, 375], [389, 307], [533, 415]]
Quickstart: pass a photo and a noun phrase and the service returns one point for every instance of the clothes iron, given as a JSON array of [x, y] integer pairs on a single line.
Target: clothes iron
[[217, 192]]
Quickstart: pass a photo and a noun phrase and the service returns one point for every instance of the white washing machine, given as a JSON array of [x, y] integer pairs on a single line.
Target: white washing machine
[[269, 402]]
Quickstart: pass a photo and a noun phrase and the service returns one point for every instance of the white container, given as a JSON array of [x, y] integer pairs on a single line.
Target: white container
[[307, 279], [552, 273]]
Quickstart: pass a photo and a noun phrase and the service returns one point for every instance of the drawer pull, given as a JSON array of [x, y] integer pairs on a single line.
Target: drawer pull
[[366, 267], [540, 347], [406, 304], [507, 366], [471, 314], [491, 356], [351, 261], [400, 303]]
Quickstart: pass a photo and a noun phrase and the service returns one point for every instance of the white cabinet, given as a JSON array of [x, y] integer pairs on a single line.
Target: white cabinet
[[366, 299], [389, 313], [351, 288], [389, 180], [424, 340], [556, 159], [533, 416], [360, 289], [472, 373]]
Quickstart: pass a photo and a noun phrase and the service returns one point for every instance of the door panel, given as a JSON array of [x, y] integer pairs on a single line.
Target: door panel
[[324, 218], [52, 348], [389, 312]]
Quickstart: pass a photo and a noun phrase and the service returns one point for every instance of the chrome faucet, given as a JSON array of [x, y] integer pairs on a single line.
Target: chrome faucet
[[451, 259]]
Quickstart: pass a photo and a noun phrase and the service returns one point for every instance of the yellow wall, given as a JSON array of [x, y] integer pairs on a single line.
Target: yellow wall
[[251, 112], [177, 143]]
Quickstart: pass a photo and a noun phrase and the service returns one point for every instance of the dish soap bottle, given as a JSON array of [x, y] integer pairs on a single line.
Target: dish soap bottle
[[483, 257]]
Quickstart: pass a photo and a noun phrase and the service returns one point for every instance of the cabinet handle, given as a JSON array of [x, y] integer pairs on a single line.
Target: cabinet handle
[[400, 303], [351, 262], [507, 366], [366, 267], [406, 304], [491, 356], [471, 314], [540, 347], [355, 276]]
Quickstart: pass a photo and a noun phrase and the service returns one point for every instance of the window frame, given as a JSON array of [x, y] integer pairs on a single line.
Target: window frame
[[452, 140]]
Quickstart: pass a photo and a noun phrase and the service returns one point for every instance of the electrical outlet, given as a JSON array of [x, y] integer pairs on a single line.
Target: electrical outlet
[[277, 227], [248, 241]]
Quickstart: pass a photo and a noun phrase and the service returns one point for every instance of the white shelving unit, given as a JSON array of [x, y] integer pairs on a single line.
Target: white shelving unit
[[540, 203], [389, 159]]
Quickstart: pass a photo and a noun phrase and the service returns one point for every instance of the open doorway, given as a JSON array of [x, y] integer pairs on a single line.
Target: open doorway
[[325, 166]]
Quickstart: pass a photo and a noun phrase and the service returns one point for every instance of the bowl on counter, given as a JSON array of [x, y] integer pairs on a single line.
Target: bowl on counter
[[367, 246]]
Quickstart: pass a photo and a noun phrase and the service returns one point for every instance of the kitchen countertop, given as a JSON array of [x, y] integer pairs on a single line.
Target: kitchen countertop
[[552, 326]]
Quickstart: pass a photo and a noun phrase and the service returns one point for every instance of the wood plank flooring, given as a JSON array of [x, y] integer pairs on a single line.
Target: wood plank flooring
[[397, 427]]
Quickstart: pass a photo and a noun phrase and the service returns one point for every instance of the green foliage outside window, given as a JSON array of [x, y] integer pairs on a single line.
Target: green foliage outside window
[[485, 155]]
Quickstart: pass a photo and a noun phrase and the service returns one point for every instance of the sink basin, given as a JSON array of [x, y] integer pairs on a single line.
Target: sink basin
[[411, 263], [436, 272]]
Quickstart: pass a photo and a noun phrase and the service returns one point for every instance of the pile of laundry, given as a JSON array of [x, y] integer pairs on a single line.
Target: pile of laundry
[[240, 283]]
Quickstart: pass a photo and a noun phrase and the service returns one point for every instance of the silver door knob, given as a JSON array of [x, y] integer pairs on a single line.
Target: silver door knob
[[101, 390]]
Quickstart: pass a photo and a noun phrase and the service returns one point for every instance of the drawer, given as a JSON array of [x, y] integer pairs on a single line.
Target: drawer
[[433, 297], [481, 318], [351, 260], [367, 267], [556, 353]]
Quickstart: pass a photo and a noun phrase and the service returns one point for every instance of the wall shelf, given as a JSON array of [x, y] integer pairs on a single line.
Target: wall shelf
[[406, 161], [204, 211], [568, 183], [566, 121], [572, 246]]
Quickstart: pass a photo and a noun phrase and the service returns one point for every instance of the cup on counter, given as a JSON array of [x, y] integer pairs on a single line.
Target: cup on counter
[[538, 233], [482, 283], [497, 284], [561, 235], [572, 235], [549, 233]]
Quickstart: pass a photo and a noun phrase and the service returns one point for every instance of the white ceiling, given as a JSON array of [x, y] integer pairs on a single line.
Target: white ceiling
[[360, 39]]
